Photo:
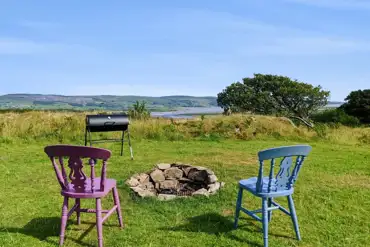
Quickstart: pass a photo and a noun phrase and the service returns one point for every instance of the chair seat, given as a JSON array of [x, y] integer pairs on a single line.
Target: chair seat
[[250, 185], [109, 185]]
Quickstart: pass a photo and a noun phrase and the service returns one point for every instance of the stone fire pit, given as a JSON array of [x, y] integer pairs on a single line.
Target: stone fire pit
[[169, 181]]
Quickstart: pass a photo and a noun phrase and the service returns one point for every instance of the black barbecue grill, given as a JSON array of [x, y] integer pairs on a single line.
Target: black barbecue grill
[[105, 123]]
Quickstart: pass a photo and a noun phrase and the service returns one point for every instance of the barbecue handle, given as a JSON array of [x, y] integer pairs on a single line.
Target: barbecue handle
[[109, 123]]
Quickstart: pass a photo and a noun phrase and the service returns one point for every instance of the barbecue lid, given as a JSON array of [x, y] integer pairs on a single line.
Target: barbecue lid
[[107, 119]]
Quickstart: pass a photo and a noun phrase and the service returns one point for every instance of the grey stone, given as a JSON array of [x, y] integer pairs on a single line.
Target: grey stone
[[184, 165], [157, 176], [132, 182], [210, 172], [143, 192], [187, 170], [200, 168], [169, 184], [213, 188], [156, 186], [201, 192], [147, 186], [184, 179], [212, 179], [173, 173], [142, 178], [166, 197], [163, 166]]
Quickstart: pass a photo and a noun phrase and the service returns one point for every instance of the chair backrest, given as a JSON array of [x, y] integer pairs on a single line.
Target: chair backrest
[[291, 159], [75, 155]]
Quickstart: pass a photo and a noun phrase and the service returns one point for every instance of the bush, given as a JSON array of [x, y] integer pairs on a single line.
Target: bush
[[365, 138], [139, 111], [321, 130], [335, 116]]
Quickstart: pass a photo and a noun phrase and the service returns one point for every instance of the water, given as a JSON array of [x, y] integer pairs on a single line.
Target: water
[[188, 112]]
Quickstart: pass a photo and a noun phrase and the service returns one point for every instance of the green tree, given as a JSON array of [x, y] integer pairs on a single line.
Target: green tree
[[358, 105], [273, 94]]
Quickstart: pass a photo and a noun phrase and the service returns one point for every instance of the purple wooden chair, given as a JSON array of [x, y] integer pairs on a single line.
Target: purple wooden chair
[[81, 186]]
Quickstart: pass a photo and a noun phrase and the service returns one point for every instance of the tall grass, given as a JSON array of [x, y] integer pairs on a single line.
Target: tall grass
[[70, 126]]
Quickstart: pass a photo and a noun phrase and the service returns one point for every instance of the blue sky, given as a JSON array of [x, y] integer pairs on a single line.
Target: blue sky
[[188, 47]]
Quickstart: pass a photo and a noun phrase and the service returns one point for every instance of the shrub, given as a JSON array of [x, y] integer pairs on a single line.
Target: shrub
[[139, 111], [335, 116], [365, 138], [321, 130]]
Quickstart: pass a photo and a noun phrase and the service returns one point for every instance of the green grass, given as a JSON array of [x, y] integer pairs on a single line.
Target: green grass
[[332, 198]]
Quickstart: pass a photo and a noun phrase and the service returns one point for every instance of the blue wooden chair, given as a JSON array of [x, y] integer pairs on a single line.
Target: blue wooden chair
[[271, 186]]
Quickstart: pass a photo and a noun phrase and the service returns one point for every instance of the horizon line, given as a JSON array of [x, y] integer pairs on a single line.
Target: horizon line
[[128, 95], [86, 95]]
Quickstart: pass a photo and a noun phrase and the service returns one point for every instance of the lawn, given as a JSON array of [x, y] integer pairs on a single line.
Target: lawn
[[332, 198]]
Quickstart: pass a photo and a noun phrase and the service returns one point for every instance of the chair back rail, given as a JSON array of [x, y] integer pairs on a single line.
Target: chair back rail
[[292, 158], [76, 156]]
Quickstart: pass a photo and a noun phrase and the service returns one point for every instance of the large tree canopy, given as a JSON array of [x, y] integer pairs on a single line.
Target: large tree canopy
[[358, 105], [272, 94]]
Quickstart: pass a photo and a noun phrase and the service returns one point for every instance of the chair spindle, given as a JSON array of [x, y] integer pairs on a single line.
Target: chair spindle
[[58, 173], [92, 176], [103, 175], [271, 175]]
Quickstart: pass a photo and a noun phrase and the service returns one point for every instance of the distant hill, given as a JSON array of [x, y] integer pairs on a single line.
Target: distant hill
[[334, 104], [107, 102]]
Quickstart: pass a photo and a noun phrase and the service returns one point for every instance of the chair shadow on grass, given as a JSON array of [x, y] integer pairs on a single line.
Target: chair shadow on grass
[[217, 224], [45, 227], [212, 223]]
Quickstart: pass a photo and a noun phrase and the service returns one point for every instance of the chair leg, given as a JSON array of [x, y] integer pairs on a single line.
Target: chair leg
[[238, 206], [294, 216], [269, 203], [99, 222], [117, 203], [63, 221], [265, 223], [78, 203]]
